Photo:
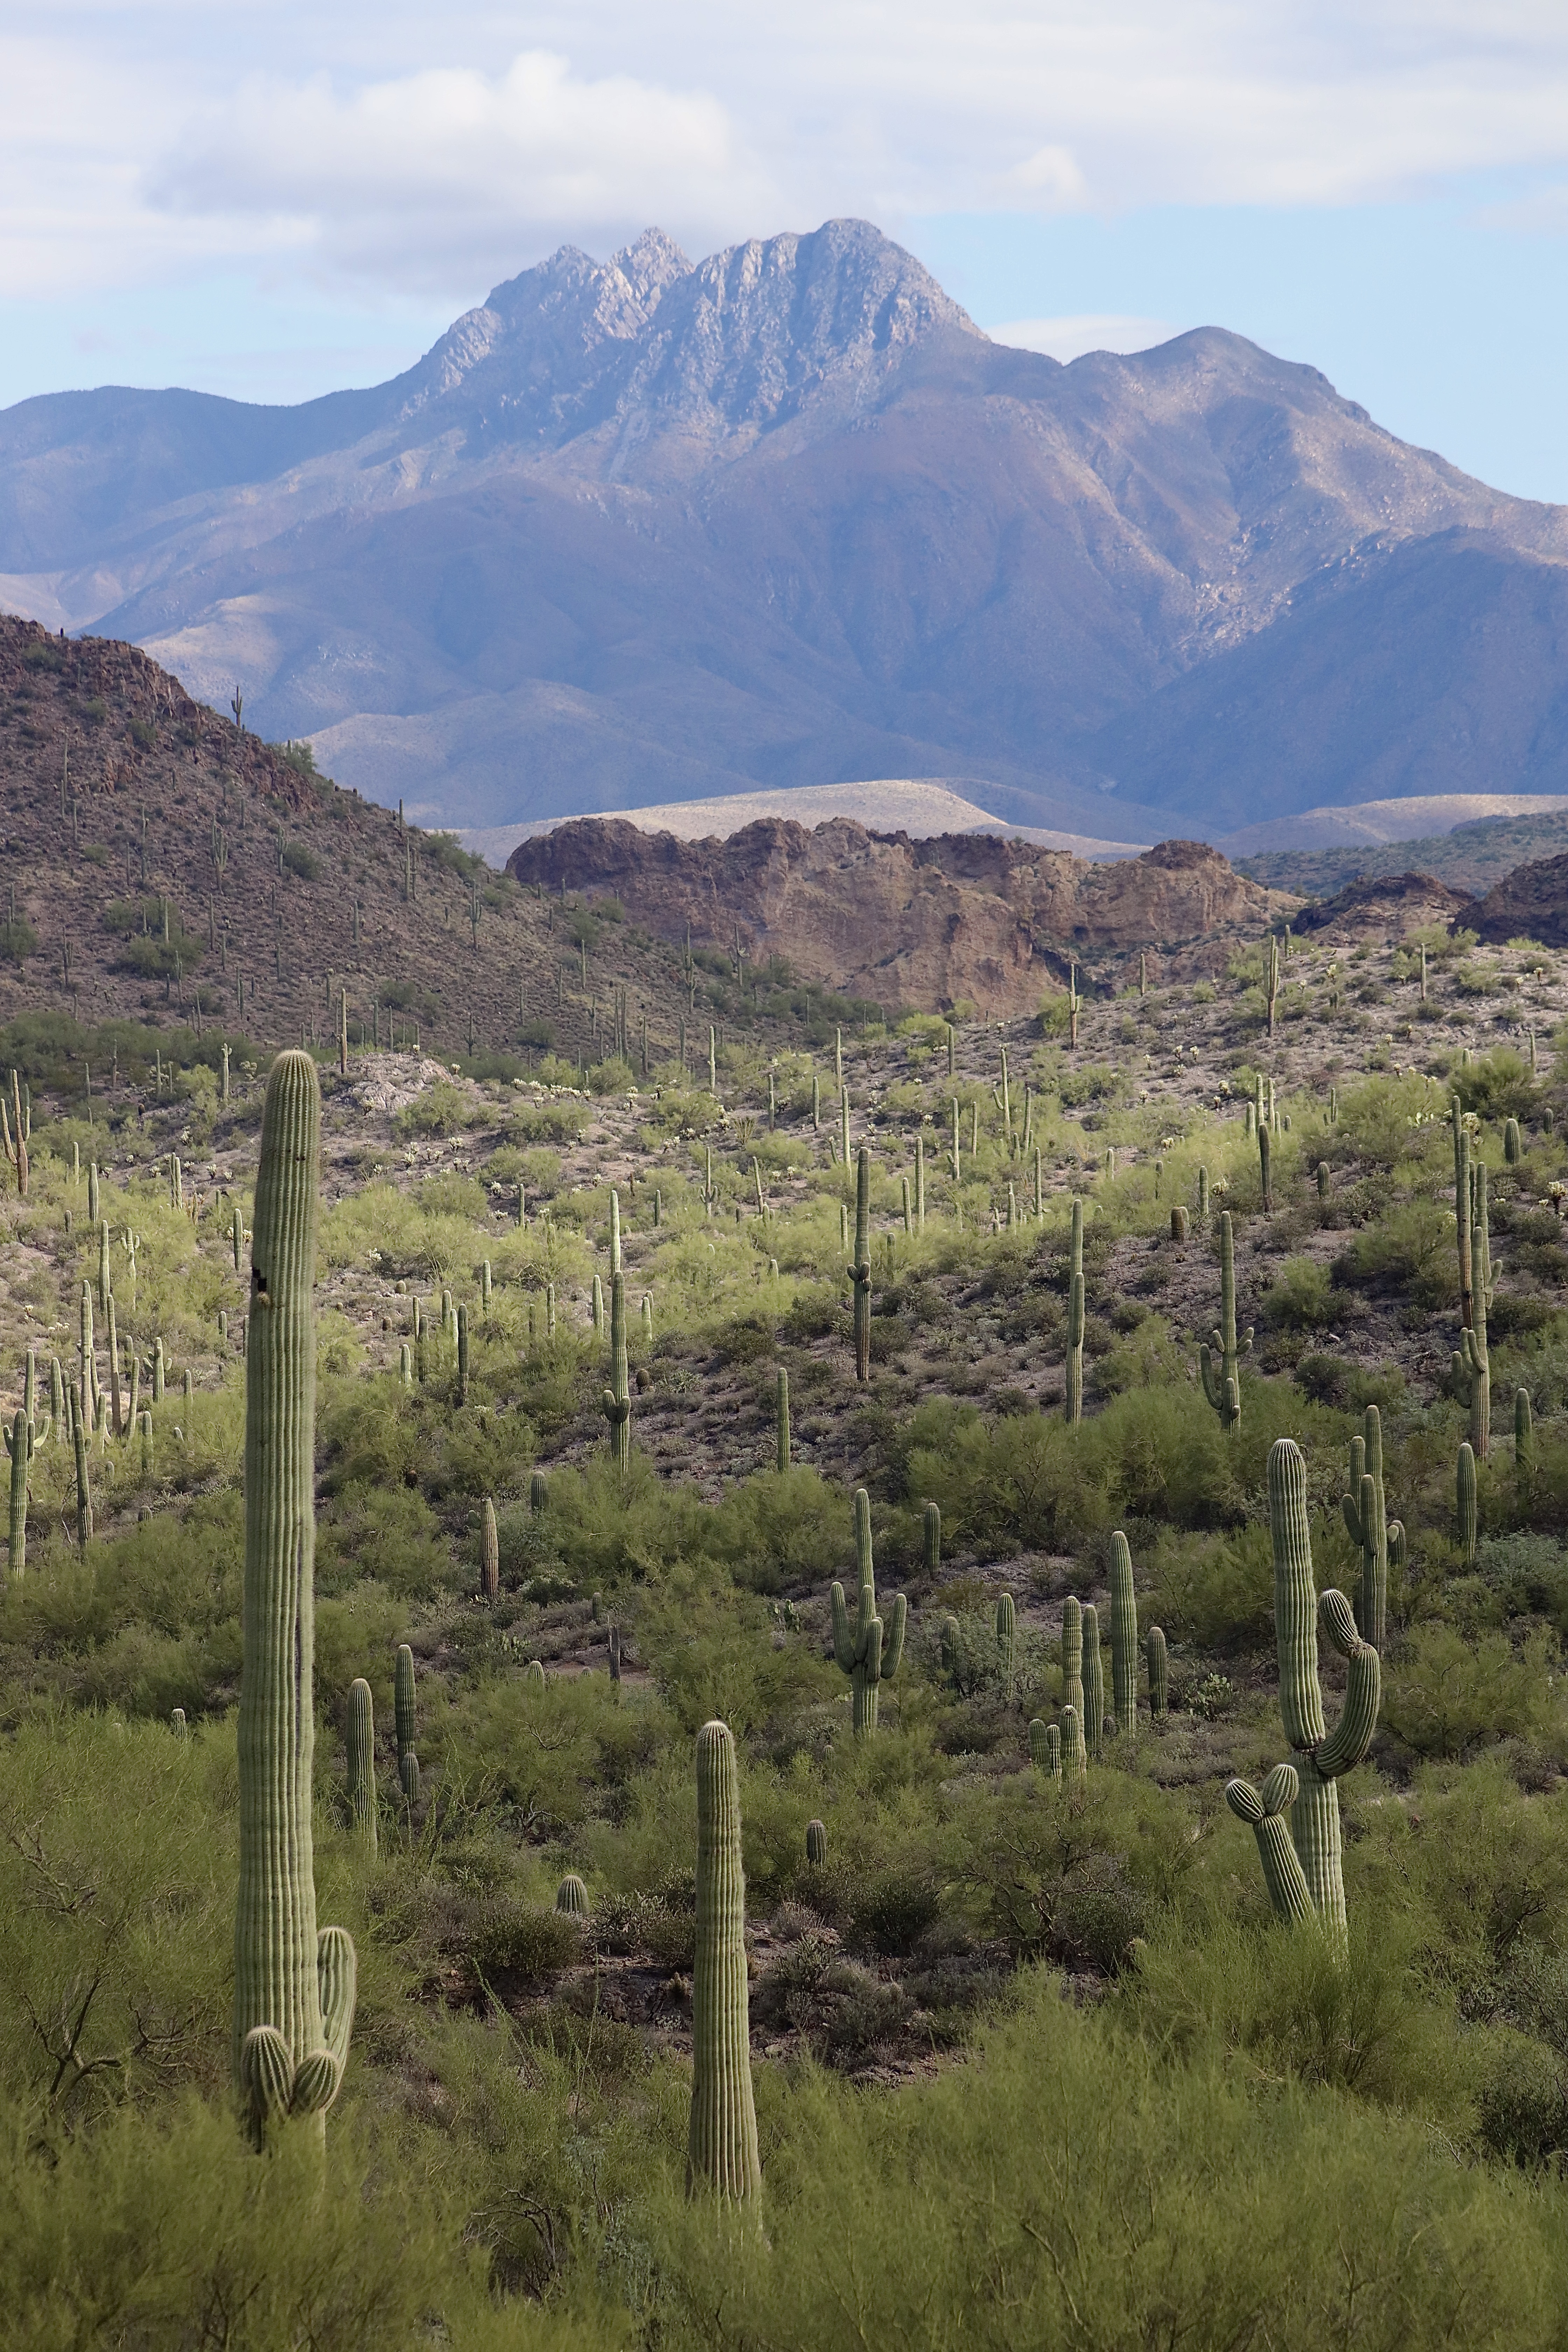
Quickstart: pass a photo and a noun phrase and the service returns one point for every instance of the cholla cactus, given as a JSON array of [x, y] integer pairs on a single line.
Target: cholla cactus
[[294, 1990], [1220, 1364], [1322, 1755], [865, 1651], [722, 2143]]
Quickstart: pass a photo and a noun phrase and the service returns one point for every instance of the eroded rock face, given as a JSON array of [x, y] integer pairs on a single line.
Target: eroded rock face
[[1531, 903], [1387, 906], [910, 925]]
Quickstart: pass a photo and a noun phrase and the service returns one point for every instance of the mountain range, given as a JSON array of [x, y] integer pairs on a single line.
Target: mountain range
[[643, 531]]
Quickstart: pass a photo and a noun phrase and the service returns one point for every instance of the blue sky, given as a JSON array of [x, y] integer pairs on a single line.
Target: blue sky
[[271, 201]]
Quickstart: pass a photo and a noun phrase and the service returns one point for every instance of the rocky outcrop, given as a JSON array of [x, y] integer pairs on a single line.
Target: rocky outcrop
[[1375, 905], [1531, 903], [914, 925]]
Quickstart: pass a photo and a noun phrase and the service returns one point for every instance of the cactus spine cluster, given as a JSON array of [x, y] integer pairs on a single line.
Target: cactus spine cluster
[[294, 1990], [616, 1400], [1075, 1317], [865, 1651], [1365, 1516], [722, 2142], [860, 1266], [360, 1742], [1123, 1637], [1315, 1886], [1220, 1362]]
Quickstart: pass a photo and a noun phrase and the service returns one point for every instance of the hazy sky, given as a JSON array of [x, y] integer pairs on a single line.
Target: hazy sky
[[273, 201]]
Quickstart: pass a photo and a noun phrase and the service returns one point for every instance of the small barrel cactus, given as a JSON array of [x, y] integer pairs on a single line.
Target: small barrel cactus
[[1178, 1222], [572, 1897], [533, 1678], [817, 1843]]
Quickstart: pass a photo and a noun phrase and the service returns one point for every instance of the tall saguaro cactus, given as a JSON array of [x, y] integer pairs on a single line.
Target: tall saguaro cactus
[[867, 1651], [1220, 1362], [1366, 1517], [781, 1431], [1123, 1637], [721, 2140], [22, 1441], [1472, 1359], [860, 1268], [403, 1715], [294, 1990], [360, 1741], [1075, 1317], [616, 1400], [1462, 1207], [1320, 1755]]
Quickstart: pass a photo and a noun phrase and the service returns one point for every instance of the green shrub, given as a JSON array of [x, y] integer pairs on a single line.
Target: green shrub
[[1445, 1695]]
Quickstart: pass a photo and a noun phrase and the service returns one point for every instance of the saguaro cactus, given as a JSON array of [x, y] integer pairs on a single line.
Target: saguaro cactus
[[572, 1897], [616, 1400], [403, 1718], [1472, 1359], [22, 1441], [782, 1416], [860, 1266], [1271, 985], [1264, 1150], [1075, 1317], [1265, 1810], [294, 1990], [1523, 1434], [817, 1843], [489, 1554], [1462, 1207], [1093, 1685], [1321, 1756], [463, 1353], [79, 1427], [1008, 1642], [1159, 1671], [1366, 1517], [866, 1650], [722, 2143], [1220, 1362], [1072, 1657], [1513, 1148], [359, 1738], [1123, 1637], [1465, 1492], [1045, 1748], [931, 1540]]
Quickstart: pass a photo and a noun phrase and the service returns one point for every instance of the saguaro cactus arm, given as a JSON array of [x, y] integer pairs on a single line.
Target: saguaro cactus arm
[[1264, 1811]]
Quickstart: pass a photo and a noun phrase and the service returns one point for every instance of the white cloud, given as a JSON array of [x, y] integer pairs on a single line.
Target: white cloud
[[421, 149], [412, 174], [1090, 330]]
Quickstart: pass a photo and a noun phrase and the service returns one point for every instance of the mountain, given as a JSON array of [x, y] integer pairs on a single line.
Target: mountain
[[644, 531]]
